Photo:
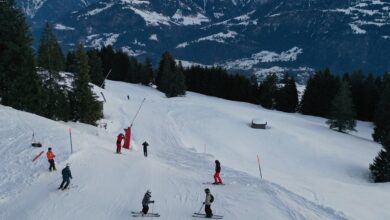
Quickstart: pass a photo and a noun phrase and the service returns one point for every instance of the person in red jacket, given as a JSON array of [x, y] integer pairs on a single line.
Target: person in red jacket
[[119, 142], [50, 157], [217, 177]]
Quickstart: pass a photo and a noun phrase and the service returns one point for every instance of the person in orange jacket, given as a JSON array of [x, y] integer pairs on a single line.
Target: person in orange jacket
[[50, 157]]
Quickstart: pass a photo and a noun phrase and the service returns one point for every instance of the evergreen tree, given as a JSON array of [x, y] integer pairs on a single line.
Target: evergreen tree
[[120, 67], [342, 113], [319, 93], [382, 113], [107, 54], [95, 68], [268, 89], [70, 62], [85, 106], [147, 72], [20, 85], [170, 79], [50, 56], [287, 96], [380, 168]]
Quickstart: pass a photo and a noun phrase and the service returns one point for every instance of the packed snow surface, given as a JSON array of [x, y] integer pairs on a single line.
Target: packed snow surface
[[309, 171]]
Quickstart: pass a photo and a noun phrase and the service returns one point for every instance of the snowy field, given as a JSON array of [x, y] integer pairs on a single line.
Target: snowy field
[[309, 172]]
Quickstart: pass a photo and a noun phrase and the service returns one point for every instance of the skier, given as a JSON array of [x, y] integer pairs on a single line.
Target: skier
[[217, 177], [146, 201], [50, 157], [66, 176], [119, 142], [207, 203], [145, 144]]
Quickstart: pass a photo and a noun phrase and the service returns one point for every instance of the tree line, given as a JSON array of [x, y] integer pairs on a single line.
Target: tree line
[[34, 83]]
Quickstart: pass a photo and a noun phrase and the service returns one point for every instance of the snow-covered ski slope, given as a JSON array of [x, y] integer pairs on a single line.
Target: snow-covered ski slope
[[310, 172]]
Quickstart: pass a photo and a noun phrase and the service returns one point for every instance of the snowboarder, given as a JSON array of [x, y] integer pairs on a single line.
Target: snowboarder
[[217, 177], [145, 144], [66, 176], [207, 203], [119, 142], [145, 202], [50, 157]]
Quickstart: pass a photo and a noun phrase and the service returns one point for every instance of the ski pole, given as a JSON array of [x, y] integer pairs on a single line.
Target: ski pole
[[152, 210], [201, 208]]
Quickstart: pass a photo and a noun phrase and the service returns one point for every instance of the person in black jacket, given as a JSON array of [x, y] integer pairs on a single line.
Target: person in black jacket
[[217, 177], [145, 144], [146, 201], [66, 176]]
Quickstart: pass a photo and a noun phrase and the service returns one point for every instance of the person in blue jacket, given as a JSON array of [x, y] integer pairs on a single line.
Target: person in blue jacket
[[66, 176]]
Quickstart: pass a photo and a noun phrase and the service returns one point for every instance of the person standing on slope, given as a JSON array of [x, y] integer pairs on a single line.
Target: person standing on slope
[[207, 203], [119, 142], [217, 177], [66, 176], [145, 202], [145, 144], [50, 157]]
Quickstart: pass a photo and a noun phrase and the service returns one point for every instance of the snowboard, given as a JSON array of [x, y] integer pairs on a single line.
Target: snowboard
[[139, 214], [201, 215]]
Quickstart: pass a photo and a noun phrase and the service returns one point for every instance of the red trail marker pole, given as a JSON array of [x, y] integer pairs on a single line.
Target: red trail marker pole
[[36, 157]]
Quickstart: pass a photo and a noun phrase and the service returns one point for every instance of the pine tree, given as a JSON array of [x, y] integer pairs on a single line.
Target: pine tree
[[287, 96], [147, 72], [50, 56], [170, 79], [319, 93], [95, 68], [382, 113], [268, 91], [380, 168], [20, 85], [70, 62], [85, 106], [342, 114]]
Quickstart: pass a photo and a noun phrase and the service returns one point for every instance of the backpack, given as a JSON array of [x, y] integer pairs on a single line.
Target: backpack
[[211, 198]]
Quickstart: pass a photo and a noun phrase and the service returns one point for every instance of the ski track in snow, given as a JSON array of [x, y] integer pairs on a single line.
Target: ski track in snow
[[110, 186]]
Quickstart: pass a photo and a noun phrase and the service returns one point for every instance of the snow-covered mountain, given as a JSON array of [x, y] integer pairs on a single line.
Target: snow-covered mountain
[[259, 36], [309, 171]]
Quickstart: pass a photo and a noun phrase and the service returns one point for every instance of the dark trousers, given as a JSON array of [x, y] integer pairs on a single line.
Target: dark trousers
[[207, 209], [145, 209], [65, 181], [52, 165], [145, 152], [118, 148]]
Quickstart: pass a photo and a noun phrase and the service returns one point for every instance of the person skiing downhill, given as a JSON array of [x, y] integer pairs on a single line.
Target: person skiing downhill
[[66, 176], [145, 144], [50, 157], [119, 142], [207, 203], [145, 202], [217, 177]]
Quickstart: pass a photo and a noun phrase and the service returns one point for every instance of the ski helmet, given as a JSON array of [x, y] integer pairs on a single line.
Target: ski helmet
[[49, 148], [207, 190], [148, 192], [68, 164]]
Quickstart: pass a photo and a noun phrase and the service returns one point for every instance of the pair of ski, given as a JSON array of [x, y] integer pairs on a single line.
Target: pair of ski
[[140, 214], [202, 215]]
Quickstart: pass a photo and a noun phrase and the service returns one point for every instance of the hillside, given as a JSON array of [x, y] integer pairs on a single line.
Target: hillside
[[256, 36], [310, 172]]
